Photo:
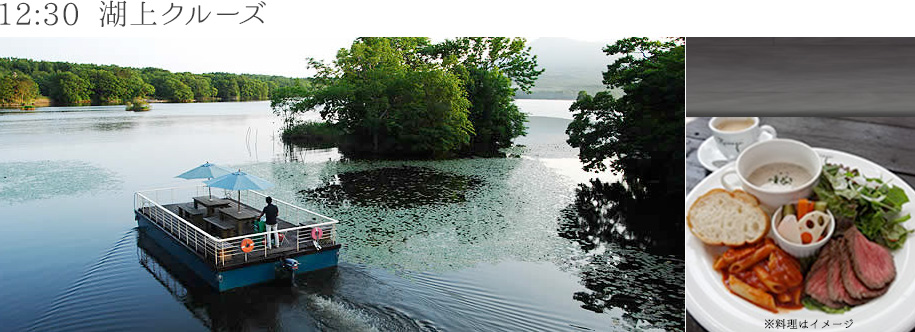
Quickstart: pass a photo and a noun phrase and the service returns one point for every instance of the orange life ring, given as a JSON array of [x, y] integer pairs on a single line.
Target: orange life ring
[[317, 233], [247, 245]]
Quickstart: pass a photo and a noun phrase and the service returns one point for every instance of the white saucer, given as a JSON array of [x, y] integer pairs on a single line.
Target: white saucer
[[709, 155]]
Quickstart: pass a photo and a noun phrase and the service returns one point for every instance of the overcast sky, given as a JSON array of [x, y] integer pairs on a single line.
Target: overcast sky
[[284, 56]]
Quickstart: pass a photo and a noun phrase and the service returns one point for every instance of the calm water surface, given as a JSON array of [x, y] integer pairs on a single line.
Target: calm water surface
[[458, 245]]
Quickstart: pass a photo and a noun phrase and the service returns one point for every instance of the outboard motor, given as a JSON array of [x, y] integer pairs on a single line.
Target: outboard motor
[[290, 266]]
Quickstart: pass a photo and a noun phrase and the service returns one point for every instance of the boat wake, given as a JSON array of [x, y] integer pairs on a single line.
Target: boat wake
[[102, 293], [338, 316]]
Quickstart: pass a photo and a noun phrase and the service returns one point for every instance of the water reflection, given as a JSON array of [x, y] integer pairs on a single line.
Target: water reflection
[[243, 308], [295, 153], [610, 213], [634, 254], [312, 304], [114, 126], [312, 144], [394, 187]]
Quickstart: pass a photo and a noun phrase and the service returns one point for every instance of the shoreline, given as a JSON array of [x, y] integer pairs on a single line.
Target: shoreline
[[45, 103]]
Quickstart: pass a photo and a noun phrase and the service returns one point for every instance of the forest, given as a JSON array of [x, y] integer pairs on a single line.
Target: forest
[[25, 81]]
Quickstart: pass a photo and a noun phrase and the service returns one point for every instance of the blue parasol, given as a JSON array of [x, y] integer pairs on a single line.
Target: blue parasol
[[205, 171], [239, 181]]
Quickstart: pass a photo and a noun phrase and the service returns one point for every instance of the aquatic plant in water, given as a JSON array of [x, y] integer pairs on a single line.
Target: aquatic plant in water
[[449, 215], [439, 216], [394, 187]]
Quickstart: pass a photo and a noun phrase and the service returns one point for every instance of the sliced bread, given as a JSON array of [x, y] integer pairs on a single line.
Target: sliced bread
[[729, 218]]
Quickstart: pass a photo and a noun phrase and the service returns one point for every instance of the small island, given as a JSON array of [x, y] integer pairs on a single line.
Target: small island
[[409, 98]]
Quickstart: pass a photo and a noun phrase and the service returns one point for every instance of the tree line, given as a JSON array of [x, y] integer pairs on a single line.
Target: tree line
[[640, 133], [22, 81], [637, 135], [410, 98]]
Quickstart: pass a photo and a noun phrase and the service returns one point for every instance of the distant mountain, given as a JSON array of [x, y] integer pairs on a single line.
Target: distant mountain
[[571, 66]]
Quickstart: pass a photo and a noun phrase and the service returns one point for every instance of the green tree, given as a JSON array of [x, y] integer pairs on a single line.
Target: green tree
[[428, 113], [200, 85], [43, 79], [112, 83], [134, 86], [17, 89], [511, 56], [641, 133], [174, 90], [67, 88], [491, 69], [226, 86], [105, 86], [495, 117], [251, 89], [289, 101], [388, 99]]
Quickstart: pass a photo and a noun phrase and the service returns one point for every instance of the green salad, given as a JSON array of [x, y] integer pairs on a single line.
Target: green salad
[[870, 204], [812, 304]]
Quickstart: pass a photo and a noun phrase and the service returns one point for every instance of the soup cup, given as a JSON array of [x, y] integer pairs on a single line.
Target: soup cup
[[771, 152]]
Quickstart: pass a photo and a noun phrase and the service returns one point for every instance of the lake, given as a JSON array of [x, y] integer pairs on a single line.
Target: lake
[[456, 245]]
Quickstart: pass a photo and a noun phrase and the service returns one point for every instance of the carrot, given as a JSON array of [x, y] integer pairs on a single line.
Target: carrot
[[803, 206], [806, 237]]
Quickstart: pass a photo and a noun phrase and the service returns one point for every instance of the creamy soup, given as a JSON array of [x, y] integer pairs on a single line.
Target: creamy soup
[[734, 124], [779, 176]]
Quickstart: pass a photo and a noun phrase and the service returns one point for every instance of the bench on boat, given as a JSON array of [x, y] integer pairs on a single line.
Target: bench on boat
[[225, 228], [189, 212], [192, 214]]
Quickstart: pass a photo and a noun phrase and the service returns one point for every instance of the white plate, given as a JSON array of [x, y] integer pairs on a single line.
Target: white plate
[[709, 155], [717, 309]]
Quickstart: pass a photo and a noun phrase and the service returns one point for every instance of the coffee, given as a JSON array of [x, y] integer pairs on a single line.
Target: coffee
[[779, 176], [734, 124], [732, 135]]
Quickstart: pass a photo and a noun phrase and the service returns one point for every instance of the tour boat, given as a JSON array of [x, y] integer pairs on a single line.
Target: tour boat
[[216, 236]]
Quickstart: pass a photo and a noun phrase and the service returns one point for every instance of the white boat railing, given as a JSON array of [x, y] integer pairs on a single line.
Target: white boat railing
[[311, 228]]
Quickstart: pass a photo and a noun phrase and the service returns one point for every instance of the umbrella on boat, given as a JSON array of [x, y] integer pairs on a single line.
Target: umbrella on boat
[[205, 171], [239, 181]]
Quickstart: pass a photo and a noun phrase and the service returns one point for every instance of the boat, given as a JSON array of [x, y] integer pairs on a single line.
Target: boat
[[214, 237]]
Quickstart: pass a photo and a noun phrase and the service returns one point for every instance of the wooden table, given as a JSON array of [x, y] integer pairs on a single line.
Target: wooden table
[[211, 203], [241, 218], [889, 142]]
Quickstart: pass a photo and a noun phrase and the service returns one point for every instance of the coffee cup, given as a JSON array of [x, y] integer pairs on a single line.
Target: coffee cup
[[776, 171], [733, 135]]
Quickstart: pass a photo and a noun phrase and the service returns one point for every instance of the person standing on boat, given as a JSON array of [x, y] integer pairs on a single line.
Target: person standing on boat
[[272, 212]]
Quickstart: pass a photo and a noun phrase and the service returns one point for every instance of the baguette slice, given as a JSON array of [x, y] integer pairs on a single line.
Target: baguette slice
[[728, 218]]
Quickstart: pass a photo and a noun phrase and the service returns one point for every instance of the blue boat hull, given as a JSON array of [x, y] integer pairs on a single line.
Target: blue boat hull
[[242, 276]]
